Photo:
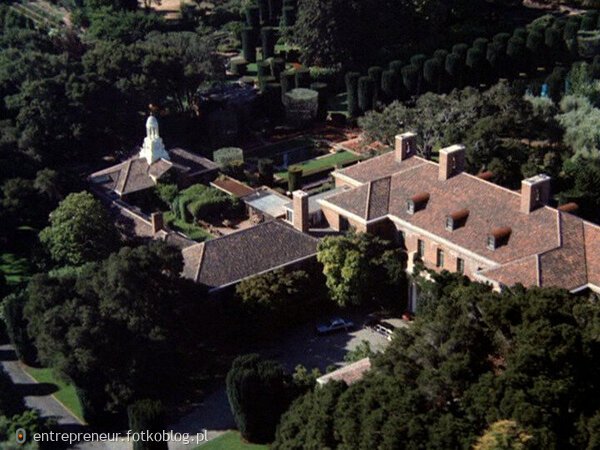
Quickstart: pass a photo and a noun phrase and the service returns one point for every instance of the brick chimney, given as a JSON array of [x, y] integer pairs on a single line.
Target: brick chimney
[[535, 192], [157, 222], [300, 206], [405, 146], [452, 161]]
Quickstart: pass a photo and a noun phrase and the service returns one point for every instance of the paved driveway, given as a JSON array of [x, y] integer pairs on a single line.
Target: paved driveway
[[302, 346]]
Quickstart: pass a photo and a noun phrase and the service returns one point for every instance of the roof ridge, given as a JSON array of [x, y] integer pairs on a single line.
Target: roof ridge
[[122, 185], [277, 222], [200, 261]]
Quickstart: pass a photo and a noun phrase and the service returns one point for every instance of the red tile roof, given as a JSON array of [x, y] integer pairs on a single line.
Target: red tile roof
[[544, 247]]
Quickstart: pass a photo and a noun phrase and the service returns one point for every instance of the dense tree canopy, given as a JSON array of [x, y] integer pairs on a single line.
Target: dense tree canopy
[[472, 360], [80, 231], [361, 269], [133, 302], [332, 32], [258, 392]]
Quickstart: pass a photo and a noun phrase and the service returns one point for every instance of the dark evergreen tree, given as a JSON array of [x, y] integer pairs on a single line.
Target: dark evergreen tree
[[258, 392]]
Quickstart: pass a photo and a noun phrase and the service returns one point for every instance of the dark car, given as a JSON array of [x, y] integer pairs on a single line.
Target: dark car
[[335, 324]]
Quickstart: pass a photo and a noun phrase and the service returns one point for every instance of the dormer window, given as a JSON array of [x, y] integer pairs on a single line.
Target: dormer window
[[498, 237], [417, 202], [457, 219]]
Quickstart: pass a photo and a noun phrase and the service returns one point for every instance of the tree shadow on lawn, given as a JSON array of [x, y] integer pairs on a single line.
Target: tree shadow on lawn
[[8, 355], [36, 389]]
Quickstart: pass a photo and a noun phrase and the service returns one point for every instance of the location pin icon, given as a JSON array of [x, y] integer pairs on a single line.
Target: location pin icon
[[21, 435]]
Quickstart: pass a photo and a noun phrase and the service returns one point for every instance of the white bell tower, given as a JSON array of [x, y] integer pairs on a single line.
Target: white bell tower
[[153, 148]]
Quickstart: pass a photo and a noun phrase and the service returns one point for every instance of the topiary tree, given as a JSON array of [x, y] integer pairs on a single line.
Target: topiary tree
[[263, 11], [411, 79], [265, 171], [80, 230], [322, 90], [476, 63], [263, 69], [294, 178], [397, 66], [149, 416], [352, 93], [440, 55], [365, 93], [589, 22], [249, 44], [303, 78], [390, 85], [554, 44], [375, 73], [432, 73], [481, 44], [460, 50], [536, 48], [258, 392], [455, 67], [253, 16], [267, 35], [288, 81], [515, 50], [277, 67]]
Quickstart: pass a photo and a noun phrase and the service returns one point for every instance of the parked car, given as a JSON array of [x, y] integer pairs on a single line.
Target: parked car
[[385, 329], [335, 324]]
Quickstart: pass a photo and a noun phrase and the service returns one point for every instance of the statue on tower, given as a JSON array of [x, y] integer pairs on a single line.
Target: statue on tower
[[153, 148]]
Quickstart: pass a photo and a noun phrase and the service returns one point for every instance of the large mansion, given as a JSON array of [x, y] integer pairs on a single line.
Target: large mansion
[[452, 220]]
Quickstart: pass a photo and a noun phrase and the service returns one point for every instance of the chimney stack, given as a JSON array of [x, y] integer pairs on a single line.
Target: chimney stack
[[405, 146], [452, 161], [300, 206], [157, 222], [535, 192]]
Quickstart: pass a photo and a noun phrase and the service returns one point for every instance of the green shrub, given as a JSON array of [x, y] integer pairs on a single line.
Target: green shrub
[[205, 203], [228, 155], [515, 50], [167, 192]]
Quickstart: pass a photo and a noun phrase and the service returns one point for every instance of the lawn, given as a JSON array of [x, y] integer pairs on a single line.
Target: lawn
[[66, 392], [191, 230], [326, 162], [230, 441], [14, 268]]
